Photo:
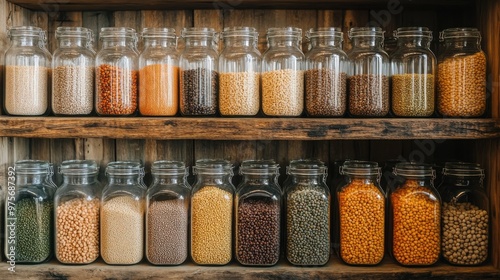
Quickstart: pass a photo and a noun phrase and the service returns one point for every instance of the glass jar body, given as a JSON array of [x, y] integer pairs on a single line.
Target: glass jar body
[[122, 215], [211, 213], [77, 210], [282, 73], [167, 214], [368, 80], [116, 72], [326, 74], [239, 80], [462, 74], [159, 73], [413, 73], [27, 73], [73, 72]]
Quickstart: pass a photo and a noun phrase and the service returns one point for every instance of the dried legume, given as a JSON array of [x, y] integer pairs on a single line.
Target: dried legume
[[26, 90], [283, 92], [369, 95], [73, 90], [77, 223], [416, 224], [462, 86], [198, 91], [33, 236], [362, 216], [122, 233], [258, 231], [307, 226], [167, 231], [465, 233], [116, 90], [159, 90], [211, 222], [413, 95], [325, 93], [239, 94]]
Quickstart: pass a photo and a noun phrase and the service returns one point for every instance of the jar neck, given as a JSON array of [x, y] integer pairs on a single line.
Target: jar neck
[[117, 42], [324, 42], [86, 179], [169, 179], [31, 179], [124, 180], [75, 42], [268, 179], [198, 42], [215, 179], [464, 181], [463, 43], [414, 42], [29, 41], [310, 179], [284, 42], [244, 42], [367, 42], [159, 43]]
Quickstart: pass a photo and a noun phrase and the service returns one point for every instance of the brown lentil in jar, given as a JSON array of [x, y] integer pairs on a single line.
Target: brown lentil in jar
[[413, 95], [416, 224], [369, 95], [116, 90], [462, 85], [362, 223], [325, 93]]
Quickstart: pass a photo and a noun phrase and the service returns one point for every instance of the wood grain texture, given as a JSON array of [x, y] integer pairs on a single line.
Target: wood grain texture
[[72, 5], [248, 128]]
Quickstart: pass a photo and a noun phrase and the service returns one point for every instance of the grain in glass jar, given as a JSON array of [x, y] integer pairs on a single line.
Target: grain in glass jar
[[307, 206], [415, 216], [199, 76], [73, 72], [282, 73], [77, 209], [258, 214], [212, 212], [27, 73], [413, 68], [465, 214], [326, 73], [122, 214], [29, 228], [461, 74], [159, 73], [239, 65], [368, 77], [361, 210], [167, 213], [116, 72]]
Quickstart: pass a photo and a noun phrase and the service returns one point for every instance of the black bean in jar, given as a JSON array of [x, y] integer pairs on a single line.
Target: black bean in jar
[[198, 92]]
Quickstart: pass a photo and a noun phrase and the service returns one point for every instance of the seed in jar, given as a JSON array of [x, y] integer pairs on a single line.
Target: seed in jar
[[416, 224], [198, 92], [362, 223], [26, 90], [283, 92], [462, 85], [465, 247], [73, 90], [368, 95], [116, 90], [413, 95], [239, 93], [325, 93], [159, 90]]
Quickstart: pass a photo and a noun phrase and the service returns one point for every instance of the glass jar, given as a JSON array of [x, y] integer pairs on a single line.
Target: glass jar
[[199, 79], [307, 206], [415, 216], [116, 72], [167, 214], [212, 212], [258, 215], [413, 68], [159, 73], [29, 214], [73, 72], [368, 80], [122, 214], [50, 176], [465, 206], [76, 205], [282, 73], [325, 76], [461, 74], [27, 70], [361, 210], [239, 65]]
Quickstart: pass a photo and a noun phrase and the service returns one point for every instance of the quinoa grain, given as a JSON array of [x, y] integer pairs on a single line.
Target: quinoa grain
[[283, 93], [239, 94]]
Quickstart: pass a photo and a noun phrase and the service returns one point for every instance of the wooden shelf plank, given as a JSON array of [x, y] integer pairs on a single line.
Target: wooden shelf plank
[[248, 128], [79, 5], [333, 270]]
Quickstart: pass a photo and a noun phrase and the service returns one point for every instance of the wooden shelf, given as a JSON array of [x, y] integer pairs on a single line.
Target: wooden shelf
[[76, 5], [333, 270], [248, 128]]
